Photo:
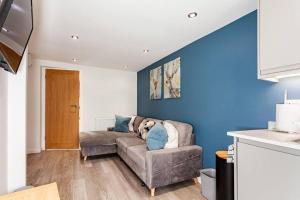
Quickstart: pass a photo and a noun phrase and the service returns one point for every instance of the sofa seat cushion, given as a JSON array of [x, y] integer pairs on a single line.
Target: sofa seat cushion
[[138, 155], [125, 142], [96, 138]]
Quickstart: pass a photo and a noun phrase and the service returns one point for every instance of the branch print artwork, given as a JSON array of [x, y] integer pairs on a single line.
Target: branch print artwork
[[172, 77], [155, 83]]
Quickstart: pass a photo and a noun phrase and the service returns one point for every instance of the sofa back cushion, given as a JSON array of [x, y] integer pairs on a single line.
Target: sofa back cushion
[[185, 132]]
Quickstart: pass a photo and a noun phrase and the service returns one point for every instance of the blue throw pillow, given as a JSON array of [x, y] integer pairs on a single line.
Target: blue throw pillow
[[121, 124], [157, 137]]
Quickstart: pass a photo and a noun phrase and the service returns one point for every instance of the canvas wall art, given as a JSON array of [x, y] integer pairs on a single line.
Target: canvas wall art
[[155, 83], [172, 85]]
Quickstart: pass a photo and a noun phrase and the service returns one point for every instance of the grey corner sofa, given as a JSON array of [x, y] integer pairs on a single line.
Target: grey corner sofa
[[155, 168]]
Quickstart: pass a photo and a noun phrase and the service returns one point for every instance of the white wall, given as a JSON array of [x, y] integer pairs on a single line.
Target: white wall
[[3, 131], [33, 110], [103, 93], [16, 127], [13, 128]]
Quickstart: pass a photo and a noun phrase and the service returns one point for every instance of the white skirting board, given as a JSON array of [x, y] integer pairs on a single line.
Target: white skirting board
[[31, 151]]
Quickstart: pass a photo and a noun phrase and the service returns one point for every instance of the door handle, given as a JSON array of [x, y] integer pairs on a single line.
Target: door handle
[[74, 108]]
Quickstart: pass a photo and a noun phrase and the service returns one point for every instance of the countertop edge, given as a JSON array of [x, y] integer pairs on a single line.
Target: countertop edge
[[239, 134]]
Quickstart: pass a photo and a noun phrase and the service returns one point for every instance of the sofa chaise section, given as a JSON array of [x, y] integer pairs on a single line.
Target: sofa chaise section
[[100, 142]]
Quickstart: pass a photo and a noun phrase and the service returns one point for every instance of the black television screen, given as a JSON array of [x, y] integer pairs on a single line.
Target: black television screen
[[16, 25]]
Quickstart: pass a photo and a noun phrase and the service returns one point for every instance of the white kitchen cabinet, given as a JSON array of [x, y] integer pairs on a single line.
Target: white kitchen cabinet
[[278, 38], [266, 165], [267, 174]]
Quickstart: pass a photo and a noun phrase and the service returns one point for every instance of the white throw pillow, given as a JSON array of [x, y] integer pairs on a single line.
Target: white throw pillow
[[130, 125], [172, 136]]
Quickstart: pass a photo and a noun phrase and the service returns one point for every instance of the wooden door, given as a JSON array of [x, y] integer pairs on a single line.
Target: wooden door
[[62, 109]]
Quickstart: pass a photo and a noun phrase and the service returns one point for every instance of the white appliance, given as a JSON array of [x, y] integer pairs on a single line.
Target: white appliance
[[288, 118]]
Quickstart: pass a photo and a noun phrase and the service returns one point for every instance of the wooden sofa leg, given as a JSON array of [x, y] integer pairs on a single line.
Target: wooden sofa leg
[[195, 180], [84, 158], [152, 192]]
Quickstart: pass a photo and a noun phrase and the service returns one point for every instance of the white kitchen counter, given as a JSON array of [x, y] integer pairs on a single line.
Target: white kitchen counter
[[268, 163], [287, 140]]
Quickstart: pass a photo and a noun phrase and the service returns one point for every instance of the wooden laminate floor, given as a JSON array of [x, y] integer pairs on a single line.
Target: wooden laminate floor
[[99, 178]]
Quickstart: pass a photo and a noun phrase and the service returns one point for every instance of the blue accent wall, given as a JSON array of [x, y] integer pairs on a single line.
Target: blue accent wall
[[219, 87]]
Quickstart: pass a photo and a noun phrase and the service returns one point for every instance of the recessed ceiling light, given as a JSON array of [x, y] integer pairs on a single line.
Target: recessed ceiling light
[[146, 50], [5, 30], [75, 37], [192, 15], [74, 59]]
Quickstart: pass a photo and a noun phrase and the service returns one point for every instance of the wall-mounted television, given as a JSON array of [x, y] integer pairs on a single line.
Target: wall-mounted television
[[16, 25]]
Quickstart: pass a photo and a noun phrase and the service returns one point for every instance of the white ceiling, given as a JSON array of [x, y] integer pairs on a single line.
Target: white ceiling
[[113, 33]]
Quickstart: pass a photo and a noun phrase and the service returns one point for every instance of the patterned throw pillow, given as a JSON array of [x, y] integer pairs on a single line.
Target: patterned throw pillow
[[145, 127], [137, 121], [130, 125]]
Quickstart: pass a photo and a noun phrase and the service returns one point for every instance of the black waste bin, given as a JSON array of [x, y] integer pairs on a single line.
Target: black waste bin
[[224, 177]]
